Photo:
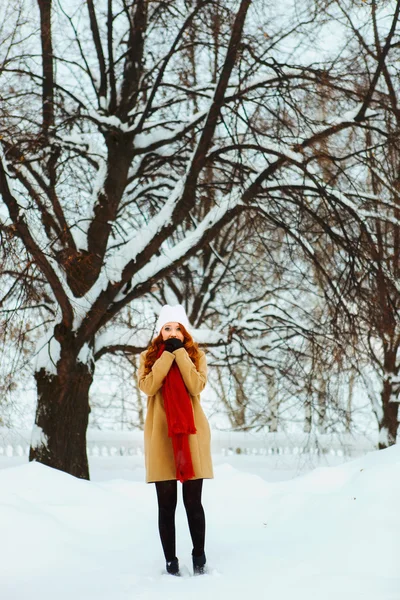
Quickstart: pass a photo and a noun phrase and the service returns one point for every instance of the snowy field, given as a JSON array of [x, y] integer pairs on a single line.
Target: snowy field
[[332, 533]]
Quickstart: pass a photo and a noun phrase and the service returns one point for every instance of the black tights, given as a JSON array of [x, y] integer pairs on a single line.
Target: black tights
[[167, 497]]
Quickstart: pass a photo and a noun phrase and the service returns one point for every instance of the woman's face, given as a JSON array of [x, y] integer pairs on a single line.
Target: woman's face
[[171, 330]]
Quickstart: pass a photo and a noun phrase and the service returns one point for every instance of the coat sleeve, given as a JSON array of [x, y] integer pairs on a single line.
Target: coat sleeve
[[151, 383], [195, 380]]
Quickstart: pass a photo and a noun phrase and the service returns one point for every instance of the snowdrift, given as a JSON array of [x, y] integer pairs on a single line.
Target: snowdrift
[[331, 534]]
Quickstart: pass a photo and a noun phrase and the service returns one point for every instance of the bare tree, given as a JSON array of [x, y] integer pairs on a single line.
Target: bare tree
[[93, 262], [367, 166]]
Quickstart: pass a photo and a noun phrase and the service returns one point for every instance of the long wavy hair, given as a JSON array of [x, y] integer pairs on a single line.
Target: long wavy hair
[[190, 346]]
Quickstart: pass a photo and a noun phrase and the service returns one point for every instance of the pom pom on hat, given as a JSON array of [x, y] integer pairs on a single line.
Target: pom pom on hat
[[172, 314]]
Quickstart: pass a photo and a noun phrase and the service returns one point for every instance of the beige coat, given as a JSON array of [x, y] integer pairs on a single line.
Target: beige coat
[[159, 457]]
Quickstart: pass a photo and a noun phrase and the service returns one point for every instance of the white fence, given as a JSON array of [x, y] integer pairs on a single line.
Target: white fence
[[116, 443]]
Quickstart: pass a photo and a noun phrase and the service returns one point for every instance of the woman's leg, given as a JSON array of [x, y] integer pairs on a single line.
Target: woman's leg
[[166, 496], [195, 514]]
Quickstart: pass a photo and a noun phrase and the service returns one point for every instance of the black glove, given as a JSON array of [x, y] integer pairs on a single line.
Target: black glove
[[172, 344]]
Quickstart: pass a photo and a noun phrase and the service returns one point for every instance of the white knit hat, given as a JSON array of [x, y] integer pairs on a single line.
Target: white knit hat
[[172, 314]]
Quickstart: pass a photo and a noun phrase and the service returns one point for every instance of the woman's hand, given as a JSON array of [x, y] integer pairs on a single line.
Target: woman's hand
[[172, 344]]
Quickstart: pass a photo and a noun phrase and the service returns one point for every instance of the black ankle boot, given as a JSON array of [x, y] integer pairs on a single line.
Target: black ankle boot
[[173, 567], [199, 563]]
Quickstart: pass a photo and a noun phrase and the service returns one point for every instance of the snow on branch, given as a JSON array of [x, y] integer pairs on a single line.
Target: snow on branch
[[150, 140], [28, 239], [120, 261], [184, 248], [133, 341]]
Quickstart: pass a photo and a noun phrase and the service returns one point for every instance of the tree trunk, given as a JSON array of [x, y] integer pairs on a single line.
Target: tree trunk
[[349, 408], [389, 422], [307, 416], [241, 400], [273, 401], [62, 414], [322, 403]]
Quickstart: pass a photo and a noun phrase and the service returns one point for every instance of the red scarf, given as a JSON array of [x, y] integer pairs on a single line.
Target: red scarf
[[179, 412]]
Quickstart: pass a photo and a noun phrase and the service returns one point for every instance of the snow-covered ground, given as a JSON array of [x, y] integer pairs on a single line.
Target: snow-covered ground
[[332, 533]]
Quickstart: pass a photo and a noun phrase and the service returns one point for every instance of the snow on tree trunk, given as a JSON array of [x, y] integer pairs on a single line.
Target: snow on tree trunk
[[59, 434]]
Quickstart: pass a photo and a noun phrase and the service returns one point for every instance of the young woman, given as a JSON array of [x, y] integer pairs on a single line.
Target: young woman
[[172, 373]]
